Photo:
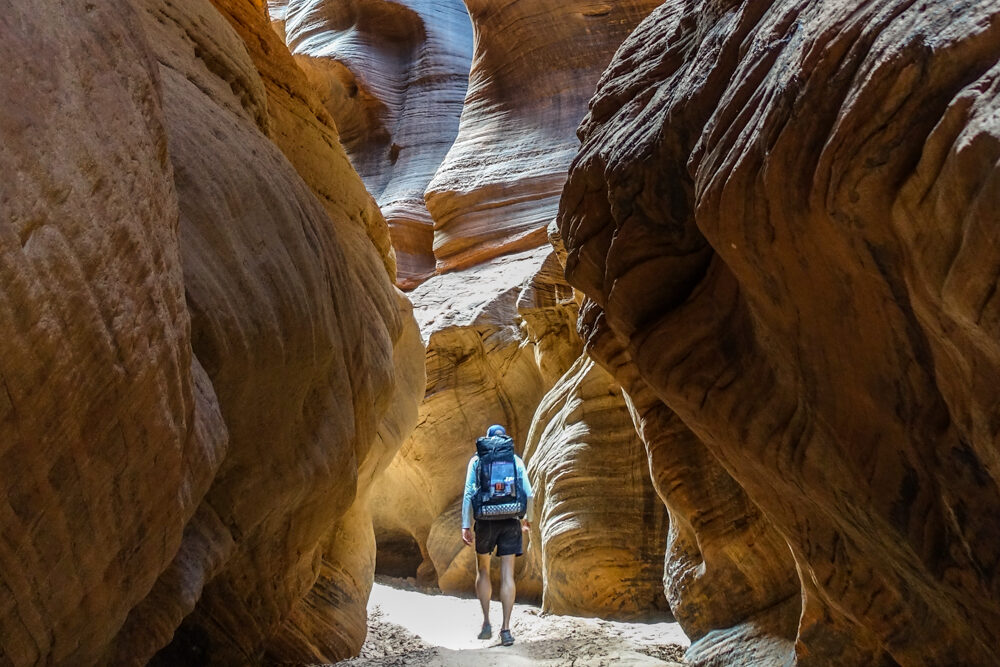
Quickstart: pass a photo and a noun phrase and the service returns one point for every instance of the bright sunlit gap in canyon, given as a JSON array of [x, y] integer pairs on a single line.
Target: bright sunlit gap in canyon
[[686, 312]]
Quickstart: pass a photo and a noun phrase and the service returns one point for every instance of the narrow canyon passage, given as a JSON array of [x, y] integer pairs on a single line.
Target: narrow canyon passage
[[724, 271], [411, 626]]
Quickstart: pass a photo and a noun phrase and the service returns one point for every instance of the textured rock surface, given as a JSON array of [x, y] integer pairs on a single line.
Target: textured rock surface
[[729, 576], [330, 622], [498, 337], [534, 68], [782, 211], [303, 129], [101, 392], [394, 75], [601, 530], [202, 405]]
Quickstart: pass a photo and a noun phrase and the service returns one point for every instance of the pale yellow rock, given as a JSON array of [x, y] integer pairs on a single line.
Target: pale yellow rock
[[600, 530], [498, 337]]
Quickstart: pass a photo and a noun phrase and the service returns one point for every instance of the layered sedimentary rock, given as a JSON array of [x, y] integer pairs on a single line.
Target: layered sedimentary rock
[[218, 363], [301, 126], [394, 76], [330, 621], [728, 576], [397, 76], [498, 337], [534, 68], [600, 530], [782, 213], [109, 427]]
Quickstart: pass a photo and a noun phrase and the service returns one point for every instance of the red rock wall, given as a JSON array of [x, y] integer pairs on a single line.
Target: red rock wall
[[599, 522], [110, 432], [394, 76], [205, 360], [782, 211], [534, 67], [397, 77]]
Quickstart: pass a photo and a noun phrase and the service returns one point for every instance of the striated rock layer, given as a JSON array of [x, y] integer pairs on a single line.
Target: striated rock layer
[[205, 361], [498, 337], [782, 213], [728, 576], [534, 68], [110, 432], [394, 76], [600, 529]]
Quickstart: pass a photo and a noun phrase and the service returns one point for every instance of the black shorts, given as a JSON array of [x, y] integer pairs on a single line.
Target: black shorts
[[504, 535]]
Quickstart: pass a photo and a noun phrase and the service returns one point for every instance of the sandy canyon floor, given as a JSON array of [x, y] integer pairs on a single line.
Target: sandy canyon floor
[[407, 626]]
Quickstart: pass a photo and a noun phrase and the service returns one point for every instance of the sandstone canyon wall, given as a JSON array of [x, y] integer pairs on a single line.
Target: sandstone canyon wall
[[783, 216], [460, 116], [494, 349], [205, 362], [534, 67], [600, 529], [498, 337], [394, 76]]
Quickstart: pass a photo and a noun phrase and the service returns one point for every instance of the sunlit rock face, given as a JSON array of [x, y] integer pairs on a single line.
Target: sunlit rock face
[[498, 337], [534, 68], [398, 76], [394, 77], [205, 360], [600, 530], [782, 214]]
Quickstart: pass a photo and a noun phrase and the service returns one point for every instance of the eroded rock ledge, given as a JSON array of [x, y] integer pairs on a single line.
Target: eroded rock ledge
[[783, 213]]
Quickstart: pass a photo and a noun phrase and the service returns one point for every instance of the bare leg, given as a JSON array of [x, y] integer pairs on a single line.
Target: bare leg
[[484, 589], [507, 588]]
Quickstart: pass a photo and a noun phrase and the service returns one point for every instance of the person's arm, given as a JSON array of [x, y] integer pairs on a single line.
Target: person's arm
[[470, 490], [522, 475]]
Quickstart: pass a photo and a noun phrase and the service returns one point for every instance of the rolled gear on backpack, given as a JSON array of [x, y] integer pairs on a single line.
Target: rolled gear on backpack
[[500, 495]]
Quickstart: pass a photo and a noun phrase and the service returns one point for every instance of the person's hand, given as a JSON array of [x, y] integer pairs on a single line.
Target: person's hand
[[525, 526], [467, 536]]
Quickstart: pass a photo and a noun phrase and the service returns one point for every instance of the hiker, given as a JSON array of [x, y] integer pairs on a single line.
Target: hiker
[[498, 494]]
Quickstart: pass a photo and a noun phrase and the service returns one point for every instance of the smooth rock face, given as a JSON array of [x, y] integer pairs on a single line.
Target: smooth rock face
[[394, 76], [303, 129], [498, 337], [331, 621], [781, 211], [600, 530], [194, 409], [534, 68]]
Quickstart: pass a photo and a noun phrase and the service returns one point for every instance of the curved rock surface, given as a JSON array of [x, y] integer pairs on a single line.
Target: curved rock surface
[[600, 529], [729, 576], [534, 68], [498, 337], [201, 403], [101, 392], [394, 76], [782, 211]]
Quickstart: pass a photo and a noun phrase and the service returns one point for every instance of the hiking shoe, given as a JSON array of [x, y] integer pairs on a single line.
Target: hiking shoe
[[486, 632], [506, 638]]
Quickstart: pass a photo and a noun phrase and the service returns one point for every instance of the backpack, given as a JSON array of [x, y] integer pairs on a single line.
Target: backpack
[[499, 495]]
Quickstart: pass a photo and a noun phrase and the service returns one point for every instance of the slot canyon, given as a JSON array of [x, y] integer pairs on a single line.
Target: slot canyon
[[724, 270]]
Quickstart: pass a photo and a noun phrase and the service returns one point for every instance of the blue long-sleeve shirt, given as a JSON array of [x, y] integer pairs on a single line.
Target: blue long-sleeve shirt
[[472, 487]]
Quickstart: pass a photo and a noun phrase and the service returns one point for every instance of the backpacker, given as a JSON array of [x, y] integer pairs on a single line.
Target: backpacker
[[499, 495]]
